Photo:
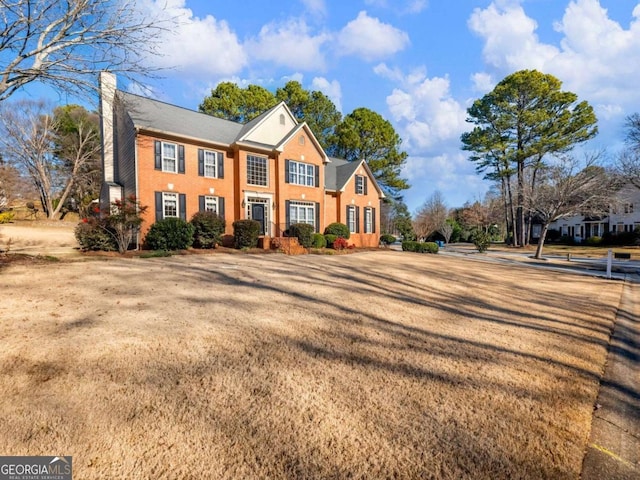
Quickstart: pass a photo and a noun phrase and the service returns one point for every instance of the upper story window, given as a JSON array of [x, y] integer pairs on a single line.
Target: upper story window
[[300, 173], [257, 173], [169, 157], [210, 164], [361, 185]]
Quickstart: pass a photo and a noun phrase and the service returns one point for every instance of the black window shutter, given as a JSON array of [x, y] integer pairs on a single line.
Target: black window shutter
[[287, 212], [373, 220], [183, 206], [220, 171], [317, 172], [347, 216], [200, 162], [357, 219], [158, 155], [159, 207], [221, 207], [201, 205], [180, 158], [364, 182], [286, 171], [317, 217]]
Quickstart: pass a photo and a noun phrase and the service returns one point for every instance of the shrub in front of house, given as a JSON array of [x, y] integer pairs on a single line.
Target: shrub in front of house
[[593, 241], [430, 247], [246, 233], [318, 241], [303, 232], [329, 238], [92, 234], [387, 239], [169, 234], [338, 229], [208, 228], [340, 243]]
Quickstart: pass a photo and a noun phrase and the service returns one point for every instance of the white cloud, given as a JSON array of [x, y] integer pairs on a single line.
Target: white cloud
[[315, 7], [596, 58], [183, 48], [404, 7], [482, 82], [424, 109], [289, 44], [333, 90], [370, 39]]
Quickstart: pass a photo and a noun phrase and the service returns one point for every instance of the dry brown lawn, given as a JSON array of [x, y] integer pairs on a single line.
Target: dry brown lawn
[[365, 366]]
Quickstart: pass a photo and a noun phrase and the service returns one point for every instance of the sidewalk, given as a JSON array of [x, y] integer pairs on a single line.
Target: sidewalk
[[613, 450]]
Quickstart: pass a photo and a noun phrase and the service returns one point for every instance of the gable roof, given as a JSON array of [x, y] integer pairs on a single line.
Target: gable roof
[[252, 125], [339, 172], [154, 115]]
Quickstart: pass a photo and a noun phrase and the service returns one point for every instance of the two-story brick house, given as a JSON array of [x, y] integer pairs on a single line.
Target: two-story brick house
[[272, 169]]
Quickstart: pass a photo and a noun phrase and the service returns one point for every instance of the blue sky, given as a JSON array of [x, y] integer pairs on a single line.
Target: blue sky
[[418, 63]]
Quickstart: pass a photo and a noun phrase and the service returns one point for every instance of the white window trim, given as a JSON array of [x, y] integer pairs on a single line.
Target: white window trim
[[308, 207], [294, 173], [165, 197], [368, 220], [174, 159], [351, 217], [266, 166], [214, 202], [360, 188], [211, 154]]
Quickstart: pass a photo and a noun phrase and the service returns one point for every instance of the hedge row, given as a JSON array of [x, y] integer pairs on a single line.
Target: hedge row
[[420, 247]]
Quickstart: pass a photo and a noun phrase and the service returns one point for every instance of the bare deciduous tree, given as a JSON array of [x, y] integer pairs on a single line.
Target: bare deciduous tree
[[29, 139], [65, 43], [571, 188], [431, 216]]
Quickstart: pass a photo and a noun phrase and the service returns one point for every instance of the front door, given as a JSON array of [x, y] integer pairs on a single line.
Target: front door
[[257, 214]]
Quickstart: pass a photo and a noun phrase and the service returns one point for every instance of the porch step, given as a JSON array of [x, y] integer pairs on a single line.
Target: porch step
[[288, 245]]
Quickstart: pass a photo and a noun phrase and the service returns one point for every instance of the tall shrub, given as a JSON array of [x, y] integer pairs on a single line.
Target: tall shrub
[[304, 233], [208, 228], [169, 234], [124, 220], [338, 229], [246, 233]]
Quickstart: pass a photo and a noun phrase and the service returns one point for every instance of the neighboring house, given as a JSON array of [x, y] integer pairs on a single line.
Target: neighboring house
[[624, 216], [272, 169]]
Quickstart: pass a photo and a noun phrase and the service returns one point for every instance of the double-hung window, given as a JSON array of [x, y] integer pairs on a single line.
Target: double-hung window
[[211, 204], [368, 220], [210, 164], [361, 185], [301, 173], [169, 204], [257, 173], [351, 219], [169, 157], [302, 212]]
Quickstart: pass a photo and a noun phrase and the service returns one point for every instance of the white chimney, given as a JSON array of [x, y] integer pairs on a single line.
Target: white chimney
[[107, 97]]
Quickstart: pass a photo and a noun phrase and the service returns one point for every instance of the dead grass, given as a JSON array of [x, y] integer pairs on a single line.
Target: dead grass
[[373, 365]]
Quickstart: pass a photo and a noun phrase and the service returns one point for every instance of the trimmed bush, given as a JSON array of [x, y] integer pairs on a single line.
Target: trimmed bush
[[338, 229], [208, 228], [593, 241], [329, 239], [304, 233], [169, 234], [92, 235], [6, 217], [481, 240], [420, 247], [387, 239], [318, 240], [246, 233], [340, 243]]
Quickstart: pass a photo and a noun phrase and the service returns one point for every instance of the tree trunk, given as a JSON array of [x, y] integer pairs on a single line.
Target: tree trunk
[[520, 206], [543, 236]]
